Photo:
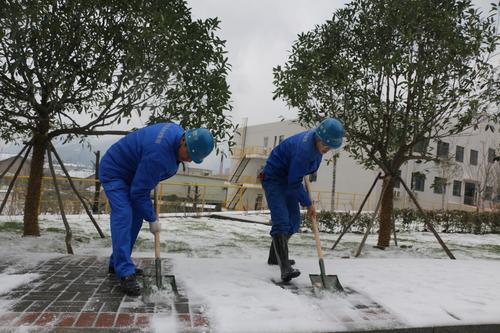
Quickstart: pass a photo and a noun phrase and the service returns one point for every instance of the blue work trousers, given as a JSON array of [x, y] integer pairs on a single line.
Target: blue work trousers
[[284, 207], [126, 223]]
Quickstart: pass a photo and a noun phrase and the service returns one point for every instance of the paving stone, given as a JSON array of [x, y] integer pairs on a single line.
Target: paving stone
[[86, 319], [185, 319], [92, 307], [27, 318], [182, 308], [46, 318], [125, 320], [105, 319], [111, 306], [21, 306], [7, 318], [200, 321], [66, 320], [38, 306], [66, 296], [83, 296], [142, 320], [68, 306]]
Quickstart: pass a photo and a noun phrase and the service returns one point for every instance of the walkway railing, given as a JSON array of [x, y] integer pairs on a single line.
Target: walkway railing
[[183, 197]]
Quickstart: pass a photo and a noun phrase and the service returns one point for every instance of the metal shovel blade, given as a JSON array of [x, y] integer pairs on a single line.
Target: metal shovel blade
[[323, 281], [159, 282], [329, 282], [162, 280]]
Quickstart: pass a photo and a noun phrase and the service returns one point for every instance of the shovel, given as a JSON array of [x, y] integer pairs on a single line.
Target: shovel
[[322, 281], [159, 277]]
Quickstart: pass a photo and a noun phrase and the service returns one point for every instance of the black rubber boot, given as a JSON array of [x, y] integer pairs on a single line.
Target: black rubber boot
[[138, 271], [130, 286], [272, 256], [280, 244]]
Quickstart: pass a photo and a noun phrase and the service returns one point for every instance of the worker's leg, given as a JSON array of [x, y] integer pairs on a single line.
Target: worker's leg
[[134, 230], [293, 214], [276, 202], [136, 227], [117, 192]]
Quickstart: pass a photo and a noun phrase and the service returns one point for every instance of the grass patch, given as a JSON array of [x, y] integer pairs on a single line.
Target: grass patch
[[226, 245], [56, 230], [176, 246], [11, 226], [199, 226], [246, 238]]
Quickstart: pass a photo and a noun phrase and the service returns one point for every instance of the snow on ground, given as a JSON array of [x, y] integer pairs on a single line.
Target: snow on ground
[[223, 263]]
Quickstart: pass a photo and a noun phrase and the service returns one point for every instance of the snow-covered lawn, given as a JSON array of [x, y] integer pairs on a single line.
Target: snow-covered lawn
[[224, 263]]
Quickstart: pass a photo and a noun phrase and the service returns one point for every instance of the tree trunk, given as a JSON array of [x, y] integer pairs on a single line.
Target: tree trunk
[[97, 183], [384, 235], [32, 203], [334, 180]]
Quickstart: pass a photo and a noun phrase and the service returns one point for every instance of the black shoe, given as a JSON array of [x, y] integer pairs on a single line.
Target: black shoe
[[272, 257], [130, 286], [138, 271], [280, 245]]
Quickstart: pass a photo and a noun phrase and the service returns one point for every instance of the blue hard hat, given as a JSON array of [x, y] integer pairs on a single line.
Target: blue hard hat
[[200, 143], [331, 132]]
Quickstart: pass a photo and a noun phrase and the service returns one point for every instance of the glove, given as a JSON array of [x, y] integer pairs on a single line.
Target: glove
[[154, 227]]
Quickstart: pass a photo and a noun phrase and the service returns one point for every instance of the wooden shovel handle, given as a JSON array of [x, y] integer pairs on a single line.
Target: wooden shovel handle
[[157, 234], [313, 221], [157, 245]]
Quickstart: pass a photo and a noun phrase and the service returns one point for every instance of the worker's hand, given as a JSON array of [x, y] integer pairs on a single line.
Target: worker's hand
[[154, 227], [311, 211]]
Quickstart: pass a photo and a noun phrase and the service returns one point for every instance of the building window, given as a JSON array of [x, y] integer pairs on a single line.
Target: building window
[[282, 137], [491, 155], [439, 185], [418, 181], [470, 193], [488, 193], [443, 148], [266, 141], [459, 154], [275, 140], [473, 157], [457, 188], [421, 146]]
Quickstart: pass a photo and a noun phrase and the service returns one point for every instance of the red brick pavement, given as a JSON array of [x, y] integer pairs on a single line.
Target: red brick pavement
[[77, 293]]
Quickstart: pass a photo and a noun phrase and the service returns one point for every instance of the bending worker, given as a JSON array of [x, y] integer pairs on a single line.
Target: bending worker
[[294, 158], [129, 170]]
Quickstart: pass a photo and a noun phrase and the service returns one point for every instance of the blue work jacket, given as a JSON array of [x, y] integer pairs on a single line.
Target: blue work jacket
[[290, 161], [141, 160]]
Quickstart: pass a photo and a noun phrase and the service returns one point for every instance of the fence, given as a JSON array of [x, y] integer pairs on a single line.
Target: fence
[[183, 197]]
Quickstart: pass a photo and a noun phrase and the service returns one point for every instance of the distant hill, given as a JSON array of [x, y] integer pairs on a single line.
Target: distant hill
[[73, 152], [81, 154]]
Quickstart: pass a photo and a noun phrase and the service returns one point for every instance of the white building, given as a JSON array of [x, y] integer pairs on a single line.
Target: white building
[[467, 173]]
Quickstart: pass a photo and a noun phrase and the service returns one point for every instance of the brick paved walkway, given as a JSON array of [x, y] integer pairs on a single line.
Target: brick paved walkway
[[75, 294]]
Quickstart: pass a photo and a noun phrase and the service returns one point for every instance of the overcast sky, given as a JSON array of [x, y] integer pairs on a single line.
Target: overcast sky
[[259, 35]]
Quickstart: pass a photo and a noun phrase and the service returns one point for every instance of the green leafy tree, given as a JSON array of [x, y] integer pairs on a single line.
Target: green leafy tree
[[397, 74], [71, 68]]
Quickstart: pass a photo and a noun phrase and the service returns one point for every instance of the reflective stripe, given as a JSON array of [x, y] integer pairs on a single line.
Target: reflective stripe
[[161, 134]]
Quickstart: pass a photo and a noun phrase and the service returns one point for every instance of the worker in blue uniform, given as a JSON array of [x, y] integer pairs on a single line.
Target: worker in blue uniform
[[129, 170], [294, 158]]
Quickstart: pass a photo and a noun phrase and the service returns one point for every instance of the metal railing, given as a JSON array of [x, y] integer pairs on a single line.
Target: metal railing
[[184, 197], [238, 152]]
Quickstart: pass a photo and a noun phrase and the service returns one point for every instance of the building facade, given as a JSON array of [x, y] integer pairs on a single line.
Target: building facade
[[466, 177]]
